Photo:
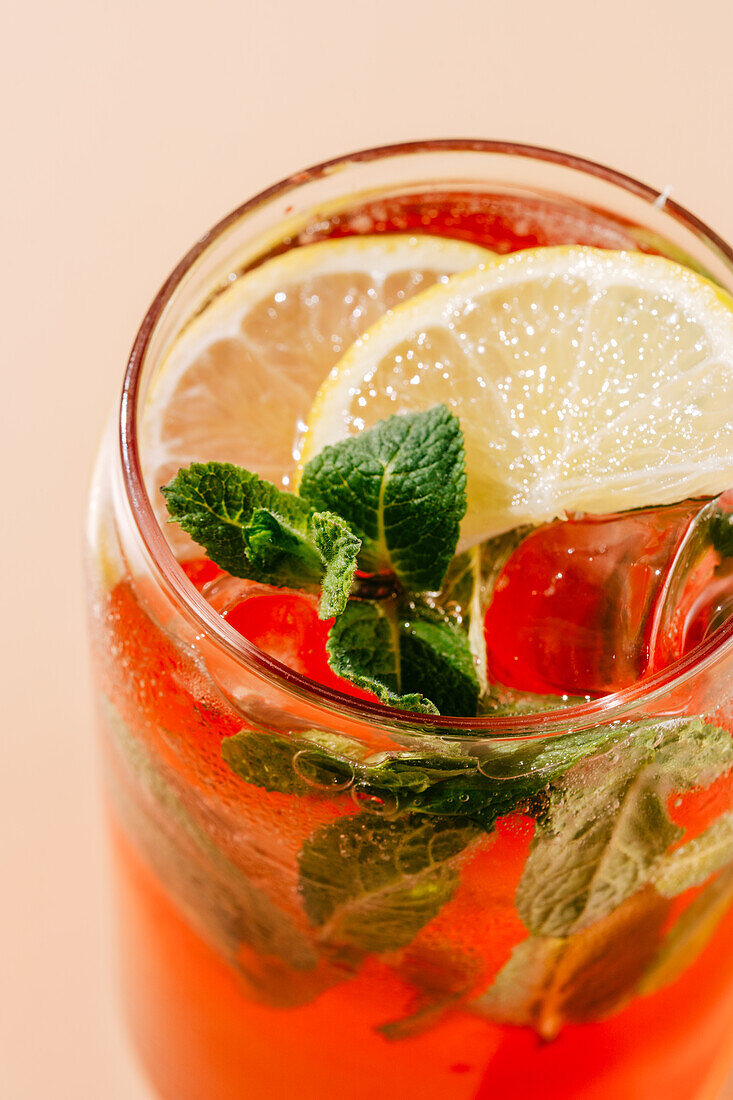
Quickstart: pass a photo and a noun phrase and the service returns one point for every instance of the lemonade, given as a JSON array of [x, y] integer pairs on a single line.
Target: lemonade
[[410, 611]]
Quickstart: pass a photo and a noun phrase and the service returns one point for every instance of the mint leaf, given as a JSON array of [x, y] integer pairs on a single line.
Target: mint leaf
[[279, 548], [401, 486], [435, 657], [442, 975], [319, 763], [606, 828], [364, 646], [410, 773], [721, 533], [697, 860], [338, 548], [402, 653], [597, 846], [245, 524], [508, 777], [444, 784], [254, 530], [370, 884], [690, 934], [522, 987], [692, 753], [290, 765], [553, 980], [544, 759]]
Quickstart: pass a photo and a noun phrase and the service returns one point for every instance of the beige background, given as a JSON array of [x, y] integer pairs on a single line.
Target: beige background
[[127, 129]]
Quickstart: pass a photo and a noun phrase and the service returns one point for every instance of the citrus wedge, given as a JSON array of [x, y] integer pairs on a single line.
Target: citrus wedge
[[244, 373], [585, 381]]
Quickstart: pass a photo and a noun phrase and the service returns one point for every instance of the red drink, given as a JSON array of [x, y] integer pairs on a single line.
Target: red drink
[[292, 920]]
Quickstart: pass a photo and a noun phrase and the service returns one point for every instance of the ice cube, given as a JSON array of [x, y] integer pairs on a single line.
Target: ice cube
[[697, 597], [592, 604]]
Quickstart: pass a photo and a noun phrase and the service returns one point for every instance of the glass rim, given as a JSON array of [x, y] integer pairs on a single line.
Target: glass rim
[[605, 708]]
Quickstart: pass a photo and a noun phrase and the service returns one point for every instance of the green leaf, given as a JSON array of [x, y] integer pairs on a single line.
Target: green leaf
[[255, 530], [401, 486], [721, 533], [442, 974], [606, 828], [339, 549], [445, 783], [697, 860], [509, 776], [291, 765], [520, 990], [409, 773], [690, 934], [402, 653], [692, 753], [597, 846], [436, 659], [553, 980], [544, 759], [280, 549], [445, 787], [370, 884], [364, 647], [589, 867], [245, 524], [320, 763]]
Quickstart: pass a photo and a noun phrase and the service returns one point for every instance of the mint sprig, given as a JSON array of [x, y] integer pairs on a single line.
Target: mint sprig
[[401, 486], [385, 504], [437, 782], [255, 530]]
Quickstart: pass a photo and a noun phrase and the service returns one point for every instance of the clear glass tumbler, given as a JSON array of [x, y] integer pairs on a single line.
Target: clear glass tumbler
[[325, 941]]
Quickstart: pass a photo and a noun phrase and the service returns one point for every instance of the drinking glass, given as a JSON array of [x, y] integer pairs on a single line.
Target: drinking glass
[[321, 942]]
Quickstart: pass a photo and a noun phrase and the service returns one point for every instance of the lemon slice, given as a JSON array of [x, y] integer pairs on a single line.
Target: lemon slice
[[243, 374], [585, 381]]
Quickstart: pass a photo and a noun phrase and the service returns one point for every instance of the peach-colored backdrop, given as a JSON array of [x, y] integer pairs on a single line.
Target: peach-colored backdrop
[[127, 129]]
